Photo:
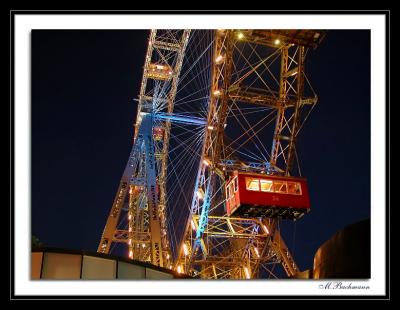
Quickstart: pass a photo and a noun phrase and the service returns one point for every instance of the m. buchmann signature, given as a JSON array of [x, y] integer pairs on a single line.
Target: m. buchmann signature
[[344, 286]]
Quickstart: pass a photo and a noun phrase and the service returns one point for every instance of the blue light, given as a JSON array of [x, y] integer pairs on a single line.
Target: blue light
[[180, 119]]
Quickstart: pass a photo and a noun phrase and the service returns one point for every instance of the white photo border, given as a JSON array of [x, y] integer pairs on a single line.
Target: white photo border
[[24, 23]]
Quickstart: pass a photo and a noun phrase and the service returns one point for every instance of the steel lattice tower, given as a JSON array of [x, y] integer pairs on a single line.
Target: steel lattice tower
[[214, 245], [145, 172]]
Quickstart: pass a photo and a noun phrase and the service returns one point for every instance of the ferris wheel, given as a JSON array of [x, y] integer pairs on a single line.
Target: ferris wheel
[[213, 166]]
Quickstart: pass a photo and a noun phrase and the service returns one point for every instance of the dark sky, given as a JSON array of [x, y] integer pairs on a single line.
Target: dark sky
[[83, 86]]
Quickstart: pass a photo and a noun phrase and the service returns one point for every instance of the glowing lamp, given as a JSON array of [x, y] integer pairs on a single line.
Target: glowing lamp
[[185, 250], [219, 59], [247, 272]]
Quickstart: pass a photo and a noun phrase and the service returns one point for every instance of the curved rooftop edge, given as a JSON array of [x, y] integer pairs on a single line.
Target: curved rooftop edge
[[49, 263], [346, 255]]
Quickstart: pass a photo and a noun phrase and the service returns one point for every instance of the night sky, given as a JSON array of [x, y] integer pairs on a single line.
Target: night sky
[[83, 87]]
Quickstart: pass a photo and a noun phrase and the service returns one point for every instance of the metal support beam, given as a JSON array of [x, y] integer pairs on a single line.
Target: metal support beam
[[180, 119], [147, 236]]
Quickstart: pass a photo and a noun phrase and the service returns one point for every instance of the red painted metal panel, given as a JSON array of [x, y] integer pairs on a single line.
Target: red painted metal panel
[[268, 199]]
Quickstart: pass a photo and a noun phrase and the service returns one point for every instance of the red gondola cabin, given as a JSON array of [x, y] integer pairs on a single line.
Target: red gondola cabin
[[158, 133], [255, 195]]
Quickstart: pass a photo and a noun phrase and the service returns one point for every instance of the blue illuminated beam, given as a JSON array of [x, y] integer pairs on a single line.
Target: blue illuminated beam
[[180, 119]]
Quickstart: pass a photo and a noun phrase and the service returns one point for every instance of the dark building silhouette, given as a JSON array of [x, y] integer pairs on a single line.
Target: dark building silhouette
[[347, 255]]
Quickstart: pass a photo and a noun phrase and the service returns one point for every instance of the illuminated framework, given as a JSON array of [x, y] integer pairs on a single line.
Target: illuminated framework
[[213, 245], [143, 180]]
